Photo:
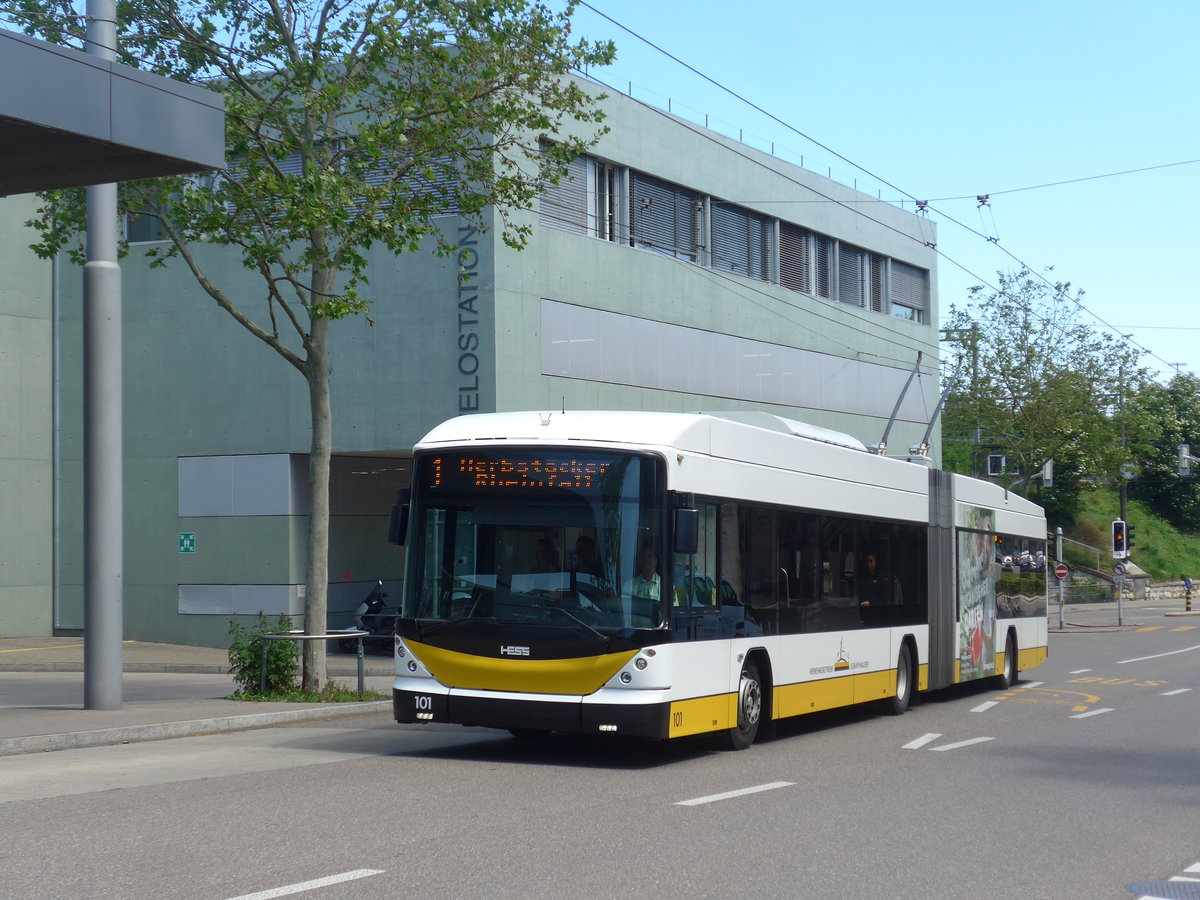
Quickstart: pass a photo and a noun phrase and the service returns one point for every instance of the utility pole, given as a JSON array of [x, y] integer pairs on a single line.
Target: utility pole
[[103, 450], [1124, 479]]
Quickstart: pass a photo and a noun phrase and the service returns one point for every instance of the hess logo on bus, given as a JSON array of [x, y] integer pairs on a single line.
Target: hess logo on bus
[[513, 650]]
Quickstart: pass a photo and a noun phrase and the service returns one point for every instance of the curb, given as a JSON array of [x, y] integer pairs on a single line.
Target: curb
[[133, 733], [173, 669]]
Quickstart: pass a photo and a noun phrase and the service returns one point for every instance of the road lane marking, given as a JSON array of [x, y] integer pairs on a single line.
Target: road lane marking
[[1094, 712], [34, 649], [1025, 687], [1164, 890], [1079, 671], [1151, 628], [713, 798], [956, 746], [983, 707], [303, 886], [1176, 691], [921, 741], [1184, 628], [1122, 662]]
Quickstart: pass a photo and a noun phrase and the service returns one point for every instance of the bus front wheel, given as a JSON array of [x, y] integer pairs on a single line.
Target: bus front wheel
[[749, 708]]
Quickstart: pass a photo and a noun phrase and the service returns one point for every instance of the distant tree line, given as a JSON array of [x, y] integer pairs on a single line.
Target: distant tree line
[[1033, 383]]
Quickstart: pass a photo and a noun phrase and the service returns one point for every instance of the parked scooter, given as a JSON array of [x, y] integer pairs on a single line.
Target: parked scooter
[[373, 618]]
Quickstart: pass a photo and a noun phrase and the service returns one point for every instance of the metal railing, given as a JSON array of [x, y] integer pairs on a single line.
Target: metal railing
[[333, 635]]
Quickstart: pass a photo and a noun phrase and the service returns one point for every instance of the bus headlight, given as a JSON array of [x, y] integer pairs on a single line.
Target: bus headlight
[[626, 678], [641, 662], [412, 665]]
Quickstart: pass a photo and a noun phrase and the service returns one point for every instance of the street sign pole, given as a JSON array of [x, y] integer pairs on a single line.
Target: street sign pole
[[1058, 558]]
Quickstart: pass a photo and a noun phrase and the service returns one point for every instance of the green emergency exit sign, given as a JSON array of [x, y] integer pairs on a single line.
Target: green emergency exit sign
[[187, 542]]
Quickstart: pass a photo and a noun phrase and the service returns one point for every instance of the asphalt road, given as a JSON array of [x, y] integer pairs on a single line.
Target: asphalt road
[[1079, 783]]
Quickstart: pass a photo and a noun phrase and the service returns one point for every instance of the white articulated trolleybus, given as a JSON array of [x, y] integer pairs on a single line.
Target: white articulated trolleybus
[[671, 574]]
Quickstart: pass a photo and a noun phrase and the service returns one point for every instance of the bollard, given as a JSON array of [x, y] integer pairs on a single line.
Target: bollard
[[1187, 601]]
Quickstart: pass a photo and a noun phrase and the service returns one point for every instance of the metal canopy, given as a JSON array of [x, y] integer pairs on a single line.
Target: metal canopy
[[70, 119]]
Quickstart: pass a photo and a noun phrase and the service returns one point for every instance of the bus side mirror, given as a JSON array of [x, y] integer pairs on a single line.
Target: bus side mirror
[[687, 530], [398, 520]]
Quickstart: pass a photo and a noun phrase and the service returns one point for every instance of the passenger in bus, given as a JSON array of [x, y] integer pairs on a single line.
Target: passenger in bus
[[878, 589], [587, 561], [546, 557], [645, 583], [589, 574]]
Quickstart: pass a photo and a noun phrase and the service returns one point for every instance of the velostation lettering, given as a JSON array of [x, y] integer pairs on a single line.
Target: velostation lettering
[[468, 319]]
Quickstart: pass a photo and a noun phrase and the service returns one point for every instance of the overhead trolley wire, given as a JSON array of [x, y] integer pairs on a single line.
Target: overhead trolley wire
[[922, 205]]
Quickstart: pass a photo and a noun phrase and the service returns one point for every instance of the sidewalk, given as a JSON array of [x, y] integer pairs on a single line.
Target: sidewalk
[[1090, 617], [167, 690]]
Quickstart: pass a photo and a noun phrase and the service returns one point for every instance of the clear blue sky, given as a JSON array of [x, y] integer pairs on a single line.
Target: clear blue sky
[[956, 99]]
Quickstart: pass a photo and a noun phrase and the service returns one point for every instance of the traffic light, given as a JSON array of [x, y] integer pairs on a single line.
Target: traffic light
[[1128, 538], [1118, 539]]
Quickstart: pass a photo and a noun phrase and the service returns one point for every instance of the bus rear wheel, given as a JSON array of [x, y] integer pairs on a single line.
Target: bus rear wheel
[[749, 708], [898, 703], [1008, 675]]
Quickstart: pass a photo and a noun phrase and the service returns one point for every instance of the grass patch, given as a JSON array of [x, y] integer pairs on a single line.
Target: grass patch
[[333, 693], [1166, 553]]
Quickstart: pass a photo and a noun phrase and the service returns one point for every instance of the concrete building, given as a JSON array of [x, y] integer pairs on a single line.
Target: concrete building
[[66, 119], [676, 270]]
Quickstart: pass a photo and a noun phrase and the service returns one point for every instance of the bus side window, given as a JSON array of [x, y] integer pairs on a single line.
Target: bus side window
[[694, 572], [765, 581]]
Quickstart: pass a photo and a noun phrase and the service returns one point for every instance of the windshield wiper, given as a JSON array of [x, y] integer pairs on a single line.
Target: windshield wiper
[[600, 637]]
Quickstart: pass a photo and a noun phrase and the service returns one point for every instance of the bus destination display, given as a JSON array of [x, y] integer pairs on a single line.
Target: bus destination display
[[533, 472]]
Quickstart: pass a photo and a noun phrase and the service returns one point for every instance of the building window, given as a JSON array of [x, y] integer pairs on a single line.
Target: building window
[[141, 228], [564, 205], [851, 275], [907, 289], [876, 290], [740, 241], [823, 264], [618, 204], [663, 216], [795, 258], [611, 202]]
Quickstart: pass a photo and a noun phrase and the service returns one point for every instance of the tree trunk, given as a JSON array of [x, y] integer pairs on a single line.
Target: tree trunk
[[316, 605]]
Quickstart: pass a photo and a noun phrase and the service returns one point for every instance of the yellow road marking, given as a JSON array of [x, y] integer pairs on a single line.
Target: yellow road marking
[[53, 647], [1082, 700], [1151, 628], [1184, 628]]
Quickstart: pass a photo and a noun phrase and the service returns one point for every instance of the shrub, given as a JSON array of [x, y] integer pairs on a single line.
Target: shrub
[[245, 656]]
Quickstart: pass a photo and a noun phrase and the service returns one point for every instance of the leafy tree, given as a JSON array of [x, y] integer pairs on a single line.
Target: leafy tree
[[349, 123], [1175, 406], [1037, 384]]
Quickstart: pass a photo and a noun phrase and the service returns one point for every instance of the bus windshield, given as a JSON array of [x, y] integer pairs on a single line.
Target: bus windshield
[[555, 537]]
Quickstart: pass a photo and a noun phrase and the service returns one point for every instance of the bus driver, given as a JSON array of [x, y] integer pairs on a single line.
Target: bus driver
[[645, 582]]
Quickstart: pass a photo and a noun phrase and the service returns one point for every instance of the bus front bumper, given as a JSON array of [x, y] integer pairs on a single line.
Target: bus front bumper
[[575, 715]]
